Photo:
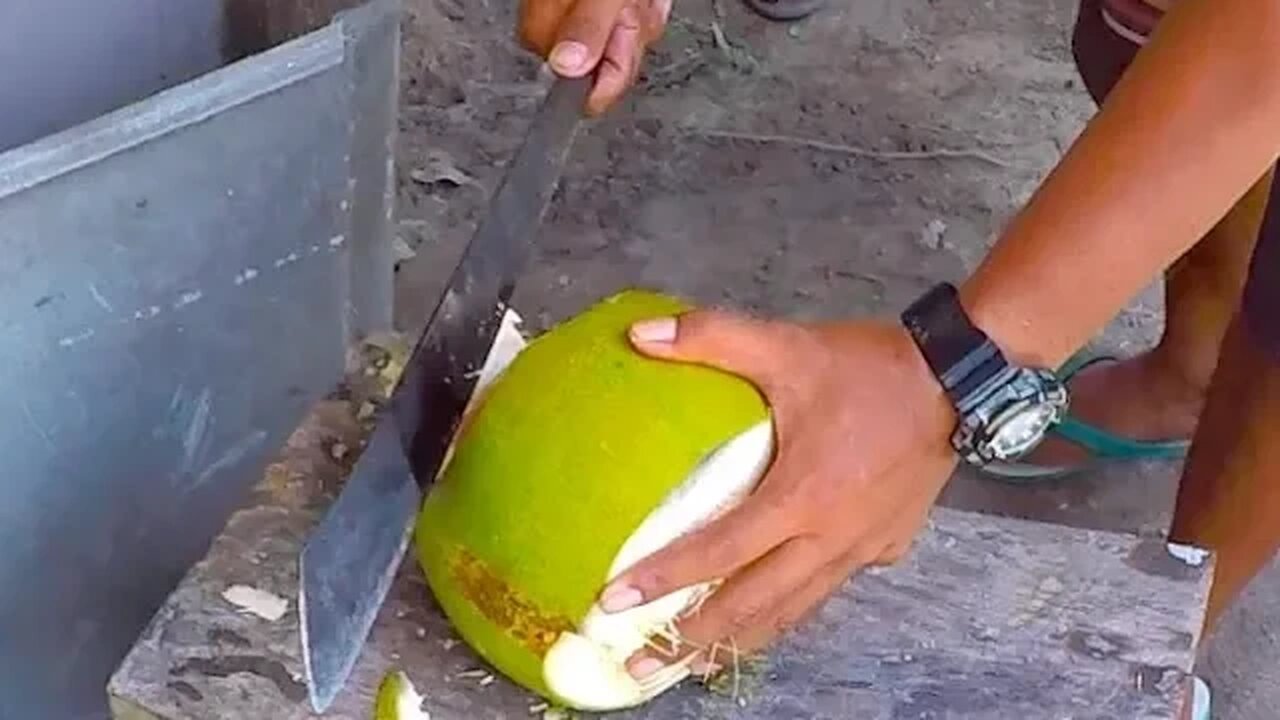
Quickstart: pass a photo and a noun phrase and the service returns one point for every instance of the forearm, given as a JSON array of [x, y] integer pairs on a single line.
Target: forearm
[[1195, 122]]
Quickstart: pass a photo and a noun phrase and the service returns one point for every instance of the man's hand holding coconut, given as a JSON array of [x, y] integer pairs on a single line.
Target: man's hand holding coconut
[[861, 454]]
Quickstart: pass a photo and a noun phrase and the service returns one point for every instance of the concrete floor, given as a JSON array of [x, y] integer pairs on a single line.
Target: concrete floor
[[657, 196]]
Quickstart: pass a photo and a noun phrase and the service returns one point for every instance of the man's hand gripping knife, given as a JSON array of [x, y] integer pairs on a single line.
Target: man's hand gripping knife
[[604, 38]]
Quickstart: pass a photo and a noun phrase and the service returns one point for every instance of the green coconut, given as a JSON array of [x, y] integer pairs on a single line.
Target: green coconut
[[579, 458]]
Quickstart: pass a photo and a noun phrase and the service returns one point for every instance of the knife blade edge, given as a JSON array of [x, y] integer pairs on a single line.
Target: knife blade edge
[[336, 619]]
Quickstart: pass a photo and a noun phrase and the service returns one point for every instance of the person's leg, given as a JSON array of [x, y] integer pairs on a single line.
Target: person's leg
[[1158, 394], [1229, 496]]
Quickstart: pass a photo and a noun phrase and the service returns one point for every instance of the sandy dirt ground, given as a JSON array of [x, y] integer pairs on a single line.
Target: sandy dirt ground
[[829, 168]]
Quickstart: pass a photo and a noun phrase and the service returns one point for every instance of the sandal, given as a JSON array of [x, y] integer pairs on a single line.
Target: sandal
[[785, 10], [1105, 447]]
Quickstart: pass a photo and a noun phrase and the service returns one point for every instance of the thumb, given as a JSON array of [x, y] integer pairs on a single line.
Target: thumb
[[754, 349], [583, 35]]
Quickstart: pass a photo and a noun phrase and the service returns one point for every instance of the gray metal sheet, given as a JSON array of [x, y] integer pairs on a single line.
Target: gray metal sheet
[[63, 62], [179, 281]]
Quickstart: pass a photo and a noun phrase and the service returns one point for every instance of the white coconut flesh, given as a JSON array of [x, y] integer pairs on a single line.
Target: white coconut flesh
[[588, 668]]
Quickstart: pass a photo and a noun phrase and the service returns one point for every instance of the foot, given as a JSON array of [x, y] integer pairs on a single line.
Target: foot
[[1138, 398], [784, 10]]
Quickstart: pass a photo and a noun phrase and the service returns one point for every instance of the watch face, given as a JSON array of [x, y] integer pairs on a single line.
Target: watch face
[[1020, 429]]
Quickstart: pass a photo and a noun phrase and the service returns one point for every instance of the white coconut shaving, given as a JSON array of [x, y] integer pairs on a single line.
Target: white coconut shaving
[[507, 344], [256, 601]]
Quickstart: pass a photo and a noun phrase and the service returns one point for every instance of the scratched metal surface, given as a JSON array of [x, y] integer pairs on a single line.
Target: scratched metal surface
[[987, 618], [180, 279]]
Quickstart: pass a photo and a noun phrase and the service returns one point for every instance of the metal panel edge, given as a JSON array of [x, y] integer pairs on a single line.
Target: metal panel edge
[[170, 110], [372, 32]]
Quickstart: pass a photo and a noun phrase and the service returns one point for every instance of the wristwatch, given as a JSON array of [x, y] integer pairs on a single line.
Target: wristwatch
[[1004, 410]]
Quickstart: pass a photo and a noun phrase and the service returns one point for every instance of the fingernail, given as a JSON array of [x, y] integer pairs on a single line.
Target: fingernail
[[617, 599], [569, 56], [644, 667], [662, 330]]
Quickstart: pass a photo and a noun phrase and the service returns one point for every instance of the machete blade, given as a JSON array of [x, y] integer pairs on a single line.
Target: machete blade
[[352, 556]]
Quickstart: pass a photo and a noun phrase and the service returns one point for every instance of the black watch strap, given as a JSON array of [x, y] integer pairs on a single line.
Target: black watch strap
[[960, 355]]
